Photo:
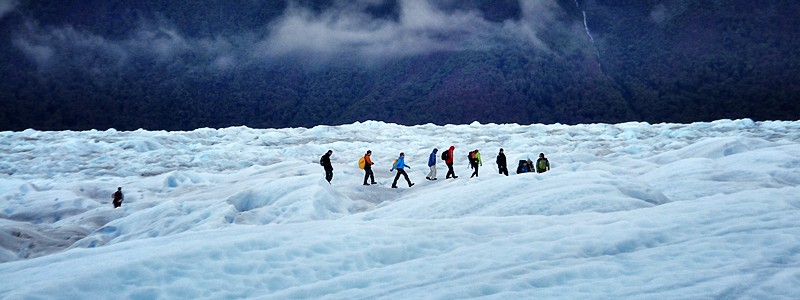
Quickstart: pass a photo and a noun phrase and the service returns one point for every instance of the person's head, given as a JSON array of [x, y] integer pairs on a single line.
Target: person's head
[[402, 154], [501, 150], [330, 152], [435, 150], [452, 148], [369, 152], [119, 188], [541, 155]]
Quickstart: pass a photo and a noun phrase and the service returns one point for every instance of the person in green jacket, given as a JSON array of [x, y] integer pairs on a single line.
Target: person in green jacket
[[542, 164], [475, 161]]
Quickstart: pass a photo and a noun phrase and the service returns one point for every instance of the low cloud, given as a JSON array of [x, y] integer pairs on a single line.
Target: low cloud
[[343, 31], [39, 54], [659, 14], [421, 28], [49, 47], [662, 12], [7, 6]]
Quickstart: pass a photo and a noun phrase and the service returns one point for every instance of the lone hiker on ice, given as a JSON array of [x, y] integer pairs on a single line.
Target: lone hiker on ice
[[447, 157], [501, 163], [400, 165], [432, 165], [325, 161], [542, 164], [368, 174], [118, 197]]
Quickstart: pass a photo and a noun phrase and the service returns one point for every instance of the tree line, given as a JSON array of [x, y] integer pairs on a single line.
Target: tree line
[[697, 62]]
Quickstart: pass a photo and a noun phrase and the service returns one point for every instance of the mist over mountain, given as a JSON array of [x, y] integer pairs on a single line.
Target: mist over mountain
[[209, 63]]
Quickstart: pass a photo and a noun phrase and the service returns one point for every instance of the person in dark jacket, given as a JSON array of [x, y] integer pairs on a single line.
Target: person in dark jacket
[[400, 165], [325, 161], [523, 167], [432, 165], [542, 164], [368, 174], [501, 163], [118, 197], [449, 162]]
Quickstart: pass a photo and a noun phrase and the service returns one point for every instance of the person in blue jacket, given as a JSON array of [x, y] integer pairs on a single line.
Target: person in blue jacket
[[432, 165], [400, 165]]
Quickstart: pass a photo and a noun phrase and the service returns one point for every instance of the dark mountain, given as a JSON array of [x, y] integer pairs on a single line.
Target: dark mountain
[[183, 65]]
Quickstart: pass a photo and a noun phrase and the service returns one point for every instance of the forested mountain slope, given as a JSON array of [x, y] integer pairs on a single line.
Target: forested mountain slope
[[175, 65]]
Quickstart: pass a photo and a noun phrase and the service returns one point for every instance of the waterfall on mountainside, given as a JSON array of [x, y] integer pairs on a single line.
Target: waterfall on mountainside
[[589, 33]]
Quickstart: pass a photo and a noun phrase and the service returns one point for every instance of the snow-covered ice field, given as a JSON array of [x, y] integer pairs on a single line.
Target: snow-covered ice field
[[628, 211]]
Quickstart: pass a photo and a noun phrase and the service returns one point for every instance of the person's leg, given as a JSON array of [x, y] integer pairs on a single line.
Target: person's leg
[[450, 171], [433, 170], [328, 175], [406, 176], [372, 176], [396, 177]]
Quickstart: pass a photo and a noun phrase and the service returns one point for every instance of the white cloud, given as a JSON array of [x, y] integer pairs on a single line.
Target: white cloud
[[39, 54], [343, 31], [7, 6], [659, 14], [420, 28]]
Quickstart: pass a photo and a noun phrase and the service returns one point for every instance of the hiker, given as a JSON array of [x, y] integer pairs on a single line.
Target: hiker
[[432, 165], [542, 164], [501, 163], [118, 197], [368, 174], [400, 165], [523, 167], [447, 157], [325, 161], [475, 160]]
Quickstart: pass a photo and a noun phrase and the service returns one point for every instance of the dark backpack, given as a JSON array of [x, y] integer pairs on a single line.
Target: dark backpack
[[522, 167], [446, 155]]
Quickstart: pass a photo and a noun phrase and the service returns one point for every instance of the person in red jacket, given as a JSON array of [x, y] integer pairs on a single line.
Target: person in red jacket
[[447, 155]]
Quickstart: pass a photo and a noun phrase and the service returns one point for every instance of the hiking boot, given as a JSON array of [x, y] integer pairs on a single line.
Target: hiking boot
[[394, 186], [366, 183], [410, 185], [374, 182], [428, 178]]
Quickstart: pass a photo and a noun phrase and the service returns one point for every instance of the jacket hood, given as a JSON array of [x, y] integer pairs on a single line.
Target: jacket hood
[[435, 150], [452, 147]]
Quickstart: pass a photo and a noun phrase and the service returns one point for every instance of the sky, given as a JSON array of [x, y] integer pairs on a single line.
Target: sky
[[628, 211]]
